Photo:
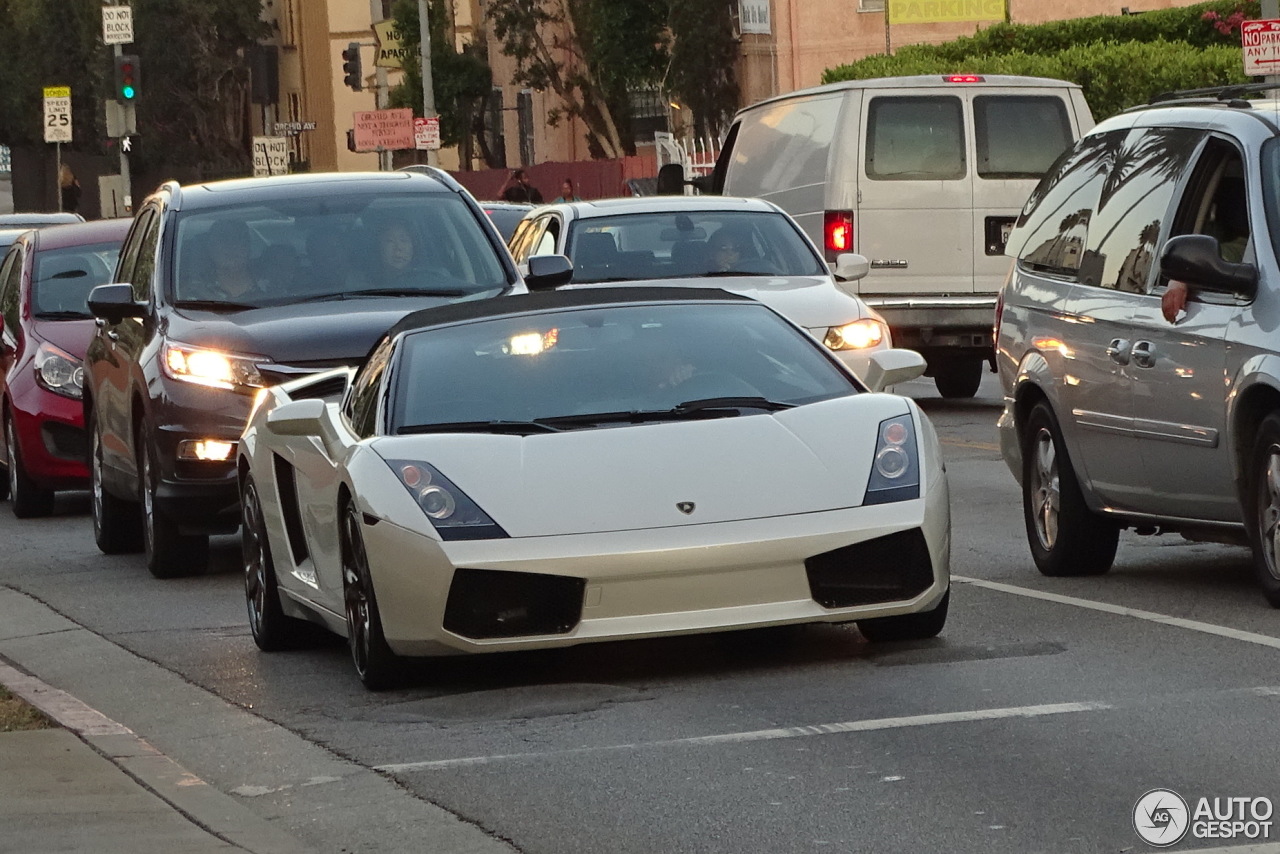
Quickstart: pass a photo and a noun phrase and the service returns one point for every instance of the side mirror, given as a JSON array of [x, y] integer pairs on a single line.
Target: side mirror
[[547, 272], [890, 367], [850, 267], [671, 180], [113, 303], [1197, 260], [299, 418]]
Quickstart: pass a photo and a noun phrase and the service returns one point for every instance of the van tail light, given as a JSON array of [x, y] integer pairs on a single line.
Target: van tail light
[[837, 230], [962, 78]]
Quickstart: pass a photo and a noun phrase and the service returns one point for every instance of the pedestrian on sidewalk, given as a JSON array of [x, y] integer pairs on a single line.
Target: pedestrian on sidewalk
[[521, 190], [69, 187]]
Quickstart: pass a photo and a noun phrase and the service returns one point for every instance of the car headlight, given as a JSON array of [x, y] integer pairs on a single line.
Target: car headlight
[[58, 371], [452, 513], [211, 368], [858, 335], [895, 467]]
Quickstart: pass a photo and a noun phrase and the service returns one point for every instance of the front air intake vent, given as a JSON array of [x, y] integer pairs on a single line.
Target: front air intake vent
[[488, 603], [886, 569]]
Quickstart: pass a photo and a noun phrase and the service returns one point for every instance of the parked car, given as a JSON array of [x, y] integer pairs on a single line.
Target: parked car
[[922, 174], [25, 221], [506, 216], [682, 240], [1115, 417], [589, 465], [226, 288], [45, 280]]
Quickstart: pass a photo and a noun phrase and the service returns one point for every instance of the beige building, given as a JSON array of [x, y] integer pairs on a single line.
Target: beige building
[[800, 40]]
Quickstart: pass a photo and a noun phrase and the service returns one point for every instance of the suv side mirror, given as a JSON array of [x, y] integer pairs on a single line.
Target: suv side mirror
[[113, 303], [850, 267], [1197, 260], [547, 272], [671, 180]]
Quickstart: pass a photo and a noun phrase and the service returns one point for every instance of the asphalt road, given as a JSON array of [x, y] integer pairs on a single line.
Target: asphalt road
[[1033, 724]]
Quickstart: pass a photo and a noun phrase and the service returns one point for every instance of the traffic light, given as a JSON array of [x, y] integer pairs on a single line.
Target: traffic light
[[352, 75], [128, 78]]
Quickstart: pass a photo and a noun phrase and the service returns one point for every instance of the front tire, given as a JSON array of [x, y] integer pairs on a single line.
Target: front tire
[[1066, 537], [272, 630], [117, 524], [29, 499], [1264, 510], [921, 625], [375, 663], [170, 553]]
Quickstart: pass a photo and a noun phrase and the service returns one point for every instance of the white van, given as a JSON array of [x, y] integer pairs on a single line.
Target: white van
[[922, 175]]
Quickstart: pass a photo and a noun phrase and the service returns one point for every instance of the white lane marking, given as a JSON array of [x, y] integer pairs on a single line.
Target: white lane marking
[[1106, 607], [772, 734]]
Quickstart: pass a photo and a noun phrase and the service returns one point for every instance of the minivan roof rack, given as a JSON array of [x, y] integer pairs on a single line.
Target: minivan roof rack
[[1215, 93]]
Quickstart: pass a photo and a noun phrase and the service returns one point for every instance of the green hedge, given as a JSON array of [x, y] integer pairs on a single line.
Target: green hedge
[[1119, 61]]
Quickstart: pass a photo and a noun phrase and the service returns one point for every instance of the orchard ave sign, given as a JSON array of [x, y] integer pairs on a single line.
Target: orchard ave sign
[[935, 11]]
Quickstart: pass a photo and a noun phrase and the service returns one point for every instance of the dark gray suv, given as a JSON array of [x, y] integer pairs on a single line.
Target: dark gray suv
[[227, 287], [1114, 416]]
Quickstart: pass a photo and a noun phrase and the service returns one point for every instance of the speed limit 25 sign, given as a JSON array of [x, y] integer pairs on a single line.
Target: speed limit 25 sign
[[57, 114]]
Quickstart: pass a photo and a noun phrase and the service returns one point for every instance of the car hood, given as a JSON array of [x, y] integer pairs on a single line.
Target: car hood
[[316, 334], [809, 459], [73, 336], [814, 302]]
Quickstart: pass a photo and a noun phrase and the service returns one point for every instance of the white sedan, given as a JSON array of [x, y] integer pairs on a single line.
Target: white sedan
[[590, 465], [748, 246]]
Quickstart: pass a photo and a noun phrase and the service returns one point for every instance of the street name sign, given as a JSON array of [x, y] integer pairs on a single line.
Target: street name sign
[[383, 130], [117, 24], [1260, 41], [426, 133], [57, 114], [270, 156]]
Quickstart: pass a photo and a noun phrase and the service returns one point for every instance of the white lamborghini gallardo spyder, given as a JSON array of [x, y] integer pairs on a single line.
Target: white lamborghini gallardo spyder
[[590, 465]]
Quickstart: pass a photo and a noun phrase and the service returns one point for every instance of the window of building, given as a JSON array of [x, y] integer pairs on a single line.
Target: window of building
[[870, 5], [493, 131], [524, 112], [648, 115]]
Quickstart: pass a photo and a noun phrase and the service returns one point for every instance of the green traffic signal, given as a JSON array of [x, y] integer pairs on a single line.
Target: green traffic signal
[[128, 77]]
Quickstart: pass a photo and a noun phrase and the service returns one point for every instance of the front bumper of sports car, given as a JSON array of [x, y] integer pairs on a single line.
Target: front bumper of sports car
[[535, 592]]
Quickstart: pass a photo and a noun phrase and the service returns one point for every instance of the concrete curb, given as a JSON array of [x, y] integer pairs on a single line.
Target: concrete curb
[[202, 804]]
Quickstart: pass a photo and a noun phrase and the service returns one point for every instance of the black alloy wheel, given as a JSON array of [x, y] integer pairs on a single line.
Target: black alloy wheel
[[1066, 537], [117, 524], [30, 501], [170, 553], [375, 663], [1264, 512], [271, 629]]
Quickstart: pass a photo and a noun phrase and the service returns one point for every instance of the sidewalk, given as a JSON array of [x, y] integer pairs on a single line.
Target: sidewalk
[[94, 786]]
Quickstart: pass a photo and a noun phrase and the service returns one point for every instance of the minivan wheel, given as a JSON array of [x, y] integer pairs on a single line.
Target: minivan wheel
[[29, 499], [170, 553], [117, 524], [1065, 536], [1264, 515], [376, 665], [958, 377]]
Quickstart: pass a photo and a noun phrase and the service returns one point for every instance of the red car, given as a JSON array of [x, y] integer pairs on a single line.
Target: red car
[[44, 281]]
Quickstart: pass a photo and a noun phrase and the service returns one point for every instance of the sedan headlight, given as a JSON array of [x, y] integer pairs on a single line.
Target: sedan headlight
[[858, 335], [452, 513], [58, 371], [211, 368], [895, 468]]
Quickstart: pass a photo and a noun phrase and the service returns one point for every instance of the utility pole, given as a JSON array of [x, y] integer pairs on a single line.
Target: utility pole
[[380, 99], [428, 87], [127, 115]]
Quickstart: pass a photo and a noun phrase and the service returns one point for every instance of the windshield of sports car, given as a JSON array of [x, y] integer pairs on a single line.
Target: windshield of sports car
[[344, 247], [608, 366], [689, 244], [63, 278]]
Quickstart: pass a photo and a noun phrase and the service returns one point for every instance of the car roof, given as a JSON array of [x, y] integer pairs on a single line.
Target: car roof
[[988, 81], [540, 301], [82, 233], [302, 185], [663, 204], [37, 220]]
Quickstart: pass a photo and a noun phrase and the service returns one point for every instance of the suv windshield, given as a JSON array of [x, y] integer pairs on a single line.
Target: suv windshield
[[608, 365], [289, 251], [664, 245], [63, 277]]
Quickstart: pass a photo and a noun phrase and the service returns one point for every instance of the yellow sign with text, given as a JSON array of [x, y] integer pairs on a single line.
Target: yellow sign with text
[[938, 11]]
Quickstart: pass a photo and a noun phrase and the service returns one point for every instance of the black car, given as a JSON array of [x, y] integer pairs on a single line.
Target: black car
[[227, 287]]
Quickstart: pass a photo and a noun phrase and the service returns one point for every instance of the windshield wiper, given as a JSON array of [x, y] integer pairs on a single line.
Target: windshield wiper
[[709, 407], [62, 315], [410, 292], [214, 305], [715, 274], [706, 403], [520, 428]]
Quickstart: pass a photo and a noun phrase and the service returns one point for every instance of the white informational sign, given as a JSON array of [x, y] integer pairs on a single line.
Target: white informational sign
[[426, 133], [753, 15], [1260, 41], [57, 114], [270, 156], [117, 24]]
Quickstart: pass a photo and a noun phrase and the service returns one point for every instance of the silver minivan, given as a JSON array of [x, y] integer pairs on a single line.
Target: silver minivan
[[922, 175], [1119, 410]]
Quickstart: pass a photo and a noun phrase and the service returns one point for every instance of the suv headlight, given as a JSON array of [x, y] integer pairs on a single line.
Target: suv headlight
[[211, 368], [858, 335], [895, 467], [58, 371]]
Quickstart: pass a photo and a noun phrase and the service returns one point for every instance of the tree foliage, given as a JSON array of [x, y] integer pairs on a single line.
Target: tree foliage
[[703, 54]]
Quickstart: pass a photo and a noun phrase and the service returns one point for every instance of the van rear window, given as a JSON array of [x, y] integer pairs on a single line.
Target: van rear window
[[915, 139], [1019, 136]]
